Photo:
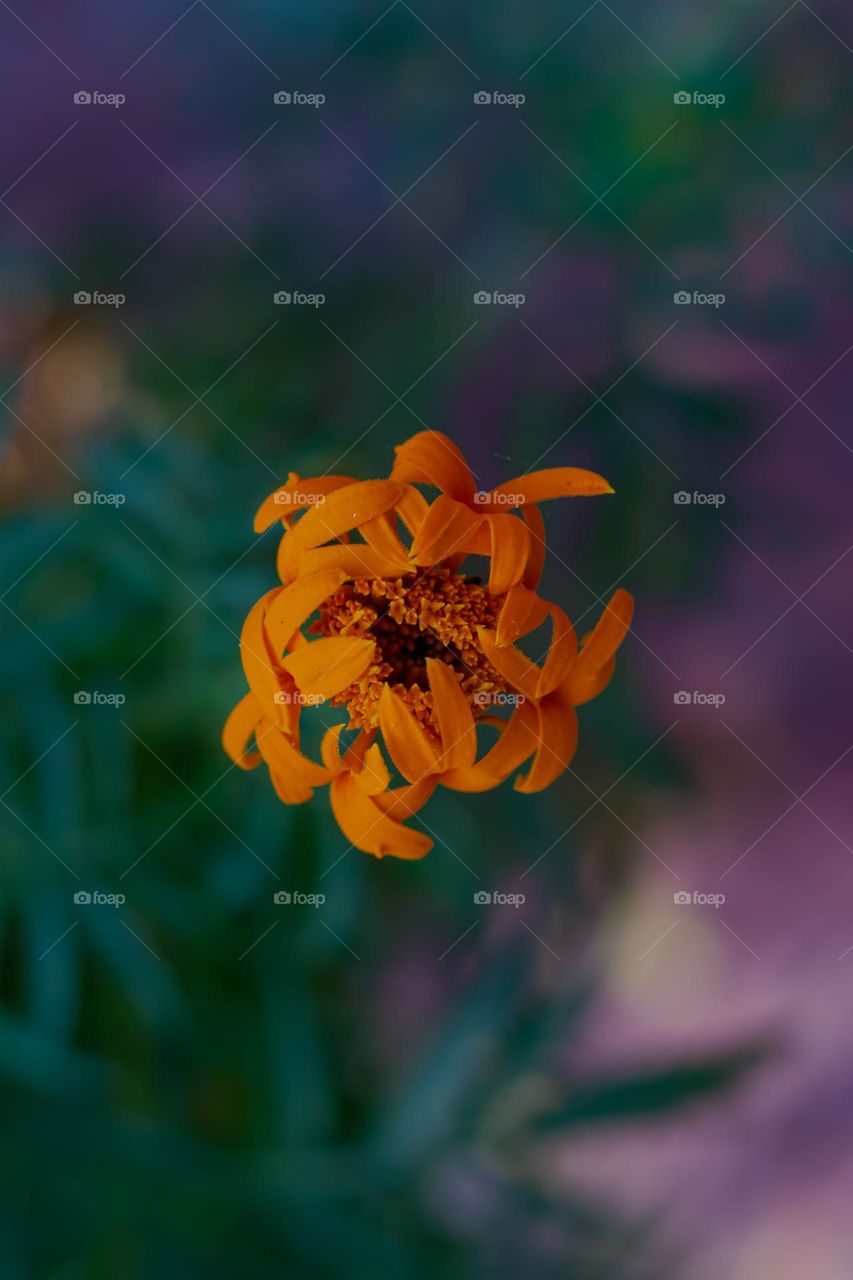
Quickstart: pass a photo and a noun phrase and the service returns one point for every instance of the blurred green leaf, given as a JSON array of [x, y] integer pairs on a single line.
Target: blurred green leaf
[[647, 1093]]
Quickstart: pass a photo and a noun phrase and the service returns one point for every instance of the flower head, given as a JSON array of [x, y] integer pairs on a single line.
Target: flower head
[[376, 615]]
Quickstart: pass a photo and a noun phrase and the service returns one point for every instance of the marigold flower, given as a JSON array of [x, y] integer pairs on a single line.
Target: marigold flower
[[375, 615]]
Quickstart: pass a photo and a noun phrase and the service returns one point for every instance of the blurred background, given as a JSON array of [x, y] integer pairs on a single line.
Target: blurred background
[[642, 1069]]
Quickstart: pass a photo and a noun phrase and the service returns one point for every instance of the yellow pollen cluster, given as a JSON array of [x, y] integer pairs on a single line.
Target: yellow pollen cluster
[[431, 614]]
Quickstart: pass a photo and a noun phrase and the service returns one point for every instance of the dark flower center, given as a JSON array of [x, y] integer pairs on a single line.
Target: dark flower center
[[432, 613]]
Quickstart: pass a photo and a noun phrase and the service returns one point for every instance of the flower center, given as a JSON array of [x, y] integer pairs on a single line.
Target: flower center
[[430, 614]]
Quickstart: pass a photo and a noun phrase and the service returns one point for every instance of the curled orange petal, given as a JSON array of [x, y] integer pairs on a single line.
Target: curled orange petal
[[324, 667], [368, 828], [404, 802], [515, 667], [289, 789], [330, 749], [292, 498], [294, 774], [516, 743], [599, 647], [583, 685], [557, 738], [255, 653], [238, 729], [355, 560], [295, 603], [553, 482], [532, 517], [431, 457], [510, 549], [447, 529], [412, 508], [346, 509], [522, 612], [374, 776], [453, 712], [409, 746], [561, 652], [363, 759], [381, 534]]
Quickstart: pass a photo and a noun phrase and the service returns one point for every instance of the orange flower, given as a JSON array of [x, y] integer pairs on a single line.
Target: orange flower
[[374, 615]]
